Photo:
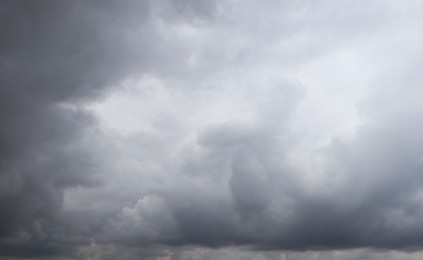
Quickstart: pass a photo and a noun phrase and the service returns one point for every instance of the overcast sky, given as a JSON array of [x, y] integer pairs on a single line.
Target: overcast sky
[[199, 129]]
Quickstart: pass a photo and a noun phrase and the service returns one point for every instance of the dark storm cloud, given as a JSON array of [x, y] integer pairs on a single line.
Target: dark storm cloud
[[214, 160], [42, 65], [54, 54]]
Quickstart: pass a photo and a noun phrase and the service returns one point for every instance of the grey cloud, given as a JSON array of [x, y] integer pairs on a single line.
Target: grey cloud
[[369, 196], [371, 199], [192, 177], [55, 56]]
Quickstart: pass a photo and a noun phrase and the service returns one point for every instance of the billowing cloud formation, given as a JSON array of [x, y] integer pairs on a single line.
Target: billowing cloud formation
[[163, 129]]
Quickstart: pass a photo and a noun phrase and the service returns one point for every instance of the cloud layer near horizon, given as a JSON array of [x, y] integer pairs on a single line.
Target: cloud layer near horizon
[[164, 129]]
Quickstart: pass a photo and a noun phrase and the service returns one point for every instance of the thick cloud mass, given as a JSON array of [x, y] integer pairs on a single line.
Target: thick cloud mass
[[211, 130]]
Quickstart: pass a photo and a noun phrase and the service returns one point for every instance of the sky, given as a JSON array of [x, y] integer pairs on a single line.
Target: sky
[[197, 129]]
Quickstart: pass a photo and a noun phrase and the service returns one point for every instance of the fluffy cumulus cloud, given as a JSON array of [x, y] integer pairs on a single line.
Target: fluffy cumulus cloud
[[211, 129]]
